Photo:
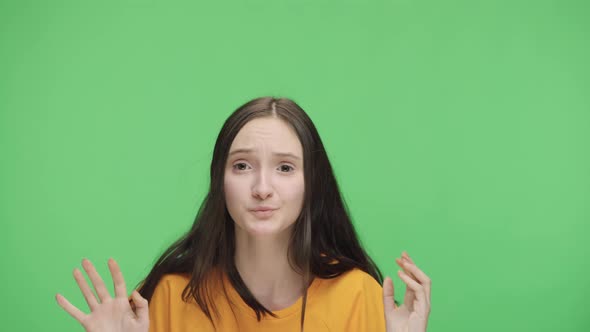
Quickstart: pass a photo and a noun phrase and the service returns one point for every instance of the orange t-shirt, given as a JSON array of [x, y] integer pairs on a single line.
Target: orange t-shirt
[[351, 302]]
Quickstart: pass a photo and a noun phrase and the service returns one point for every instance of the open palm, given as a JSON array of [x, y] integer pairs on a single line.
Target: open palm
[[111, 314], [412, 315]]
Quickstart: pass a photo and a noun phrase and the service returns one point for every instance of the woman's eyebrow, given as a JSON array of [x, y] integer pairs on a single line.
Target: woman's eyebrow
[[279, 154]]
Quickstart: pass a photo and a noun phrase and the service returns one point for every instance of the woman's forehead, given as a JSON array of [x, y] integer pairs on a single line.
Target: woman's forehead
[[267, 135]]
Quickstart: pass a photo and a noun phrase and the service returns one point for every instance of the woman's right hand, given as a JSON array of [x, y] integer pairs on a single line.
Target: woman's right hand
[[111, 314]]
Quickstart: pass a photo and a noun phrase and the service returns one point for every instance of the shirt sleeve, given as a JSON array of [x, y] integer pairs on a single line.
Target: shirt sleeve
[[365, 312], [374, 310], [159, 307]]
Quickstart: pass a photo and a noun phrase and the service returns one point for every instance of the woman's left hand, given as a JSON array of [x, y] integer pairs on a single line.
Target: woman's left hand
[[412, 315]]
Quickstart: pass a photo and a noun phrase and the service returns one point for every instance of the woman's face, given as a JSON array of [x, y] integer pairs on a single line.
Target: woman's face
[[264, 170]]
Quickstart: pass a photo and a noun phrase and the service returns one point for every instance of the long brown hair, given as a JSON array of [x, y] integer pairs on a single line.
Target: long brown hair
[[323, 244]]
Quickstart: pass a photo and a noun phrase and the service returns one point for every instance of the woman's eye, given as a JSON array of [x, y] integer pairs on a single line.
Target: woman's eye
[[287, 167], [238, 166]]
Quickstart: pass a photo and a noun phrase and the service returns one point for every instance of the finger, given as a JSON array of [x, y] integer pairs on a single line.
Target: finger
[[86, 291], [97, 282], [405, 254], [118, 280], [388, 298], [131, 303], [70, 309], [409, 296], [141, 305], [400, 262], [418, 290], [421, 277]]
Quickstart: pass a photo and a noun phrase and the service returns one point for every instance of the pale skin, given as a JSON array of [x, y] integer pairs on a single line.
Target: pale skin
[[107, 313], [412, 315], [265, 168], [268, 172]]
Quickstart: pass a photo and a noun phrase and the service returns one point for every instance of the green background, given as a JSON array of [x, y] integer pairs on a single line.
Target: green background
[[459, 131]]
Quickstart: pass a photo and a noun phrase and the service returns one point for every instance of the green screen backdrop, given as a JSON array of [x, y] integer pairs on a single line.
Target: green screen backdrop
[[458, 130]]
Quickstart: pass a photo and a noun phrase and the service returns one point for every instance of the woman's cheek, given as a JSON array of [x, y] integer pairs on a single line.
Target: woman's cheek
[[231, 189], [294, 190]]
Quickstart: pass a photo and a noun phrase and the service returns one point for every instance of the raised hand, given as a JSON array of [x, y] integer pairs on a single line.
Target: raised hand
[[110, 314], [412, 315]]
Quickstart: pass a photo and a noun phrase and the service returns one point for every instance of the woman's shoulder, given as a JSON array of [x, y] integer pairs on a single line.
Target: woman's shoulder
[[352, 276], [175, 278], [171, 284], [353, 301], [177, 282], [351, 283]]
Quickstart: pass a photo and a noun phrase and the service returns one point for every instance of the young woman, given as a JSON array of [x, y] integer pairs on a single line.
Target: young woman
[[272, 247]]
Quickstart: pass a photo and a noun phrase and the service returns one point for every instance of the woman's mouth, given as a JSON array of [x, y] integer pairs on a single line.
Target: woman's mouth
[[263, 214]]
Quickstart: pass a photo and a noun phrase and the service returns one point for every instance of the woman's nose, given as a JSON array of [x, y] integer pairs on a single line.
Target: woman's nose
[[262, 186]]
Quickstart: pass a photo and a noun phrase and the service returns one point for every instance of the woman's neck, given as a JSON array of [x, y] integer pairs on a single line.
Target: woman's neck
[[263, 266]]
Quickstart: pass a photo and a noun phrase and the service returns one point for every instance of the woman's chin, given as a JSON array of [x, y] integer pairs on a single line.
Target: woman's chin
[[263, 227]]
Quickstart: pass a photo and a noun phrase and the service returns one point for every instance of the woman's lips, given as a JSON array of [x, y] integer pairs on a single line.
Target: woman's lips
[[263, 214]]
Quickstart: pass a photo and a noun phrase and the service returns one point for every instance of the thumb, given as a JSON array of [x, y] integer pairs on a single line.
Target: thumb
[[141, 307], [388, 299]]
